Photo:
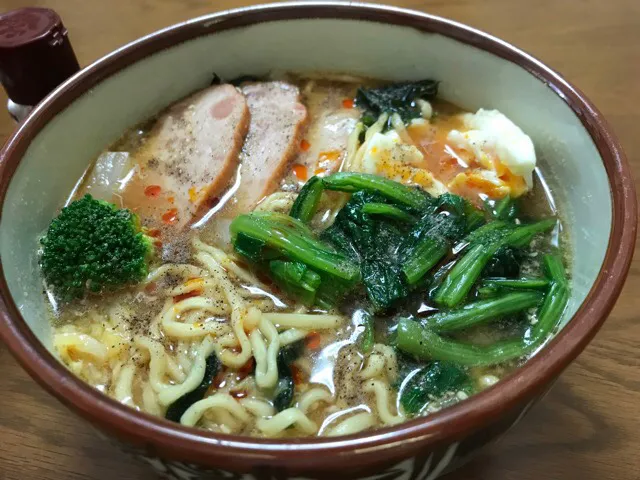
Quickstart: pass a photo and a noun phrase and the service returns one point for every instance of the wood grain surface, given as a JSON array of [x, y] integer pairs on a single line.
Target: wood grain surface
[[587, 428]]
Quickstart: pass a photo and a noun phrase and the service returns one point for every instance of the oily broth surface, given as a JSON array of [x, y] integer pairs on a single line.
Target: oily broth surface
[[332, 369]]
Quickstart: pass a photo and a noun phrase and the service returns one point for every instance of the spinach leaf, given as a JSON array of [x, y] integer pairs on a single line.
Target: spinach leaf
[[373, 241], [367, 338], [177, 408], [431, 382], [505, 263], [397, 98], [283, 395], [504, 209]]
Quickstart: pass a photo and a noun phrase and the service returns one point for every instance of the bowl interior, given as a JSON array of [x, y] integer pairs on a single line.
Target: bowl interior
[[471, 78]]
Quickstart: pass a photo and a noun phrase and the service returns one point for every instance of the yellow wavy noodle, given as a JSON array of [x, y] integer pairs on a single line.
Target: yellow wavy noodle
[[238, 312], [217, 401], [172, 327], [304, 320], [277, 202], [266, 372], [292, 335], [354, 424], [157, 361], [123, 390], [312, 397], [150, 400], [167, 394], [258, 408], [229, 264], [381, 362], [380, 391], [176, 270], [276, 425], [74, 346]]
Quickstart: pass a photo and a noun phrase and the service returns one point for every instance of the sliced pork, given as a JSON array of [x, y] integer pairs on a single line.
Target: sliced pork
[[275, 132], [189, 157]]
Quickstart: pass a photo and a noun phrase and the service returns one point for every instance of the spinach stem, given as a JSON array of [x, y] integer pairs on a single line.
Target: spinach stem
[[484, 310]]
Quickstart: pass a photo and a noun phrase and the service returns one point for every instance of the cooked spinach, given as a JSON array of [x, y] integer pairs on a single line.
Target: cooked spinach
[[307, 201], [177, 408], [504, 209], [431, 382], [367, 338], [400, 98], [373, 241], [296, 279], [285, 389]]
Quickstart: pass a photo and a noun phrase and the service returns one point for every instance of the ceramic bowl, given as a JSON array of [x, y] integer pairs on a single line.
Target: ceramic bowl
[[49, 151]]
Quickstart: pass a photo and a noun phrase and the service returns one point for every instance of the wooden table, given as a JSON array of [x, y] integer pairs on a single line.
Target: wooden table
[[588, 427]]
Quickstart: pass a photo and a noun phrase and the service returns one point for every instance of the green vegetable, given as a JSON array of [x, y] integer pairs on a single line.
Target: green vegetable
[[305, 206], [283, 395], [94, 246], [177, 408], [296, 279], [367, 338], [483, 233], [290, 238], [522, 235], [397, 98], [503, 209], [432, 381], [372, 242], [482, 248], [530, 283], [424, 257], [393, 191], [481, 311], [487, 291], [505, 263], [554, 303], [428, 242], [425, 344], [389, 211]]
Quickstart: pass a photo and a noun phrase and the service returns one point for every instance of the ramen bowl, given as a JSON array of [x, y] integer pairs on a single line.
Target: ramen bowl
[[589, 175]]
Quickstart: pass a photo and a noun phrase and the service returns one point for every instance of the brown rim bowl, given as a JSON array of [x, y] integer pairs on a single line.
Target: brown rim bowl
[[355, 453]]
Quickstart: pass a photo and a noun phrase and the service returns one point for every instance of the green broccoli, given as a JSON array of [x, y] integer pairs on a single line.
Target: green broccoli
[[93, 246]]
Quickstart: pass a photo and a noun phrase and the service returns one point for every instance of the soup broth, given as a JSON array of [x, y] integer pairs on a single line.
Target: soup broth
[[411, 295]]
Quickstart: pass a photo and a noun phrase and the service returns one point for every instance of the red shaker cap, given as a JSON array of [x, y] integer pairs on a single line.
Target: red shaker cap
[[35, 54]]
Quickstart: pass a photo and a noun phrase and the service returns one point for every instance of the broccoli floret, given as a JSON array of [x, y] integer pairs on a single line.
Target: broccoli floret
[[94, 246]]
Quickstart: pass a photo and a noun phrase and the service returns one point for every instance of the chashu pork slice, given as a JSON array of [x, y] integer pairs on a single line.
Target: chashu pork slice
[[188, 158], [275, 131]]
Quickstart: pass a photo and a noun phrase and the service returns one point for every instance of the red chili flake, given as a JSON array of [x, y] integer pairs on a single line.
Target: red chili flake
[[348, 103], [239, 393], [245, 370], [304, 145], [170, 216], [301, 172], [184, 296], [312, 341], [154, 232], [151, 288], [171, 200], [297, 375], [153, 191], [219, 380]]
